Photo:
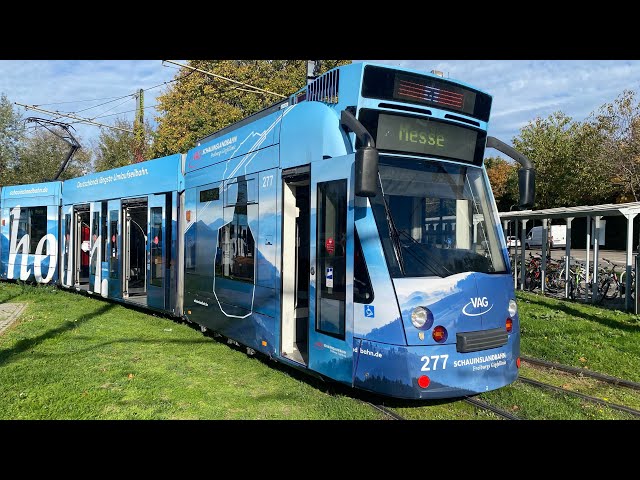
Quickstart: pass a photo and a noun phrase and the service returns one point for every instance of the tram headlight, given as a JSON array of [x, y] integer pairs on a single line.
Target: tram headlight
[[513, 308], [422, 318]]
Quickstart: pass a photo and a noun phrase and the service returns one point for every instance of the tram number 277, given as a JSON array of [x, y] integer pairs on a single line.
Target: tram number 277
[[427, 359]]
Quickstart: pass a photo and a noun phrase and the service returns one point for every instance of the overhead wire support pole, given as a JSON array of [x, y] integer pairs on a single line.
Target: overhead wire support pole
[[253, 89], [73, 117]]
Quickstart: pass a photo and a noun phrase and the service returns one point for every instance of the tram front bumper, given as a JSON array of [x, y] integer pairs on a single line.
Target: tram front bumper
[[434, 371]]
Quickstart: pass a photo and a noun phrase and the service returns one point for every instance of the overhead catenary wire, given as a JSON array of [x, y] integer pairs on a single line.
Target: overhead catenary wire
[[126, 111], [253, 88], [78, 101], [73, 117], [59, 115], [108, 109]]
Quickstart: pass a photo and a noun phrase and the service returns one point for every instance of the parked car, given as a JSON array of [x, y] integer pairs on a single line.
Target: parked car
[[557, 236], [513, 242]]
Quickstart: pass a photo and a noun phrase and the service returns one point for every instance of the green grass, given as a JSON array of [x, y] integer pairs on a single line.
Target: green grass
[[580, 335], [73, 357]]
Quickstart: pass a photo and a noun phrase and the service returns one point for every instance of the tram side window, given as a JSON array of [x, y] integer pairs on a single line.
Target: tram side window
[[201, 237], [236, 248], [362, 289], [235, 255], [331, 257], [32, 222], [157, 265]]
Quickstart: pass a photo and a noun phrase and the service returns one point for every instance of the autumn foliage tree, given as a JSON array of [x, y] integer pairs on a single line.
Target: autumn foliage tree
[[618, 127], [197, 105], [569, 168], [503, 179]]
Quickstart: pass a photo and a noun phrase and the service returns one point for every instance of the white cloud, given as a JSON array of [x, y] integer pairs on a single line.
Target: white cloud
[[49, 82], [522, 89]]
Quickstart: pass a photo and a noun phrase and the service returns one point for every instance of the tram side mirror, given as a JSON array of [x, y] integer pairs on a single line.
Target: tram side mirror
[[366, 171], [527, 187]]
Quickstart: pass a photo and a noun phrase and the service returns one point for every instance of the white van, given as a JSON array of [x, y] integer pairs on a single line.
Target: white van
[[558, 236]]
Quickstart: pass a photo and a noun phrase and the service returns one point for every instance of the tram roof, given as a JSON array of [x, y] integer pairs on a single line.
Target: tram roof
[[604, 210]]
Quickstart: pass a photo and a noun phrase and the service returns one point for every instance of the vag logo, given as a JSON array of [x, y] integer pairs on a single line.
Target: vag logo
[[477, 302]]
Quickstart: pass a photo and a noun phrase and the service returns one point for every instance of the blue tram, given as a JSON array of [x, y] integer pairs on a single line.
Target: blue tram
[[349, 230]]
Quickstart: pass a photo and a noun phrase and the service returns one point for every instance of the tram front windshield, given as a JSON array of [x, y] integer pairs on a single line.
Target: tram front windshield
[[436, 219]]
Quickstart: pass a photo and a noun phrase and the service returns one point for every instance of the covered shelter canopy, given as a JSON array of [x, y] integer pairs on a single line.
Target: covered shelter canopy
[[595, 212]]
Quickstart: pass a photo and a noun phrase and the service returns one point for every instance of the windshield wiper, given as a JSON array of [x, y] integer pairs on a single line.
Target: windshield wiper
[[393, 231], [427, 261]]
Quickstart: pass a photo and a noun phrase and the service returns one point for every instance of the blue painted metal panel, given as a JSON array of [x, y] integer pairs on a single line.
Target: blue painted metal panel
[[385, 325], [257, 161], [153, 176], [238, 147], [446, 297], [266, 245], [23, 257], [394, 370], [311, 132]]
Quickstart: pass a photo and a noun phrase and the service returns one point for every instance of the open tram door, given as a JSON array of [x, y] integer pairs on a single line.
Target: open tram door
[[113, 249], [134, 249], [96, 245], [158, 251], [81, 246], [331, 268]]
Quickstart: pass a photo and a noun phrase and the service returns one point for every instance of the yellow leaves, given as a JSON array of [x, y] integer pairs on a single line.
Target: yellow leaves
[[499, 171]]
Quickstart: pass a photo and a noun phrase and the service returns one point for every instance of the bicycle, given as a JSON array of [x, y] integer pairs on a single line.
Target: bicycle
[[610, 284]]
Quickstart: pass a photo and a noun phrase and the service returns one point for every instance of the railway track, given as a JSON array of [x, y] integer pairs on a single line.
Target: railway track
[[599, 401], [485, 406], [601, 377], [580, 371], [389, 413]]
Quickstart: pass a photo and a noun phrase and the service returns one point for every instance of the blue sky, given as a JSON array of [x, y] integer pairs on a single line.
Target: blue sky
[[522, 89]]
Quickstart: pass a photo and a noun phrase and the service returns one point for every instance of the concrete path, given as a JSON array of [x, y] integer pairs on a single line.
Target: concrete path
[[9, 313]]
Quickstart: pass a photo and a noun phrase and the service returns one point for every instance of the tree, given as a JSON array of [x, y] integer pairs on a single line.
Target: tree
[[11, 134], [618, 126], [196, 105], [565, 154], [115, 148], [501, 175], [41, 155]]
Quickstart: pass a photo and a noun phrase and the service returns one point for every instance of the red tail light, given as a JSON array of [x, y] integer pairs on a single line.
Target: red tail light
[[423, 381], [439, 334], [518, 362]]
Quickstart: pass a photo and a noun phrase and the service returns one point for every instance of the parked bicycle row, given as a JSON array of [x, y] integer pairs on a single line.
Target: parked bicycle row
[[611, 281]]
